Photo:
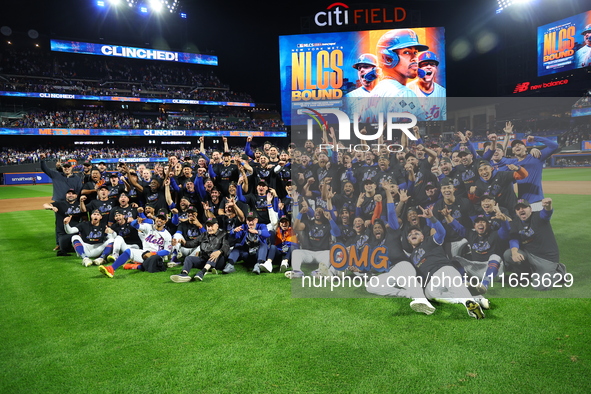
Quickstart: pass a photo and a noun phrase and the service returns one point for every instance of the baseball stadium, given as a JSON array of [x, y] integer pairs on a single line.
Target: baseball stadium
[[172, 220]]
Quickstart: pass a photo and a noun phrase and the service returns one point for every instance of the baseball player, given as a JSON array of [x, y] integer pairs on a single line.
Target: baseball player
[[92, 240], [367, 74], [432, 265], [186, 231], [530, 188], [583, 55], [430, 93], [533, 247], [214, 249], [156, 240], [397, 53]]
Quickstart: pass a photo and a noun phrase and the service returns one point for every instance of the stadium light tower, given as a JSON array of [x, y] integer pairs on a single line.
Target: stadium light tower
[[155, 5], [504, 4]]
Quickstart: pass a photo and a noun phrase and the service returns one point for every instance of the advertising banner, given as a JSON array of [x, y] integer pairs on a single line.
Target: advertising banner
[[565, 44], [325, 70], [25, 178], [88, 48]]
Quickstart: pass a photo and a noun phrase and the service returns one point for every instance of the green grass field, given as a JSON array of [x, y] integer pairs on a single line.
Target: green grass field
[[567, 174], [66, 328]]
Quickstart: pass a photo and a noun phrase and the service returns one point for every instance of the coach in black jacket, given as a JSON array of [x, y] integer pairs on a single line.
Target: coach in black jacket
[[213, 253]]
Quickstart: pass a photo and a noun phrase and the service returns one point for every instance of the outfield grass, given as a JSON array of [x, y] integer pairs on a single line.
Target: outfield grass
[[66, 328], [566, 174], [26, 191]]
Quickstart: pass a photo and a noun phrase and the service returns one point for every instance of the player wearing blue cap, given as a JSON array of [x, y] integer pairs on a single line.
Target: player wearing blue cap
[[424, 86], [583, 55]]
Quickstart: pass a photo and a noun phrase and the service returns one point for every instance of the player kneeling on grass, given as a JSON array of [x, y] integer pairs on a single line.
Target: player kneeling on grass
[[213, 252], [443, 281], [156, 243], [533, 248], [486, 245], [92, 239]]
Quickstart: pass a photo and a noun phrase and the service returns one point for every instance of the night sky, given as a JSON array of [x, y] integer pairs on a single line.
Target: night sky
[[244, 35]]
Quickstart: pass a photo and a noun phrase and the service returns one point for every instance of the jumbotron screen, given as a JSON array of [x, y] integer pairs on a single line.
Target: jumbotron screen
[[565, 44], [324, 70]]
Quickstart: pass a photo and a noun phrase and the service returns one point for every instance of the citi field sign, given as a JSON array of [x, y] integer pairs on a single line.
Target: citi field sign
[[340, 14]]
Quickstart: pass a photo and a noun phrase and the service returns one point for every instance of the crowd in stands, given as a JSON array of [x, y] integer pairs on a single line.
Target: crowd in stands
[[39, 71], [124, 120]]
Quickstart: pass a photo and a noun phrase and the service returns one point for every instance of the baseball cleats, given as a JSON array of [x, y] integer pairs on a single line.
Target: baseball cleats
[[181, 278], [293, 274], [107, 270], [267, 266], [99, 261], [257, 269], [422, 305], [86, 262], [111, 258], [172, 264], [200, 275], [131, 266], [228, 269], [484, 303], [474, 310], [284, 266]]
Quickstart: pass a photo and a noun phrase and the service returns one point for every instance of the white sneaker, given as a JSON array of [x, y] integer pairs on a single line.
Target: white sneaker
[[294, 274], [422, 305], [484, 303], [284, 266], [99, 261], [267, 266], [86, 262], [172, 264]]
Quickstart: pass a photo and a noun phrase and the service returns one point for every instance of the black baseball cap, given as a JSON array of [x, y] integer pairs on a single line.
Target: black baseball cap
[[410, 154], [262, 182], [446, 182], [113, 175], [488, 196], [103, 186], [517, 142], [251, 215], [522, 202], [67, 164], [445, 159], [211, 221], [431, 185], [87, 164], [480, 218], [71, 191], [102, 162], [482, 163], [284, 218], [464, 153], [191, 210]]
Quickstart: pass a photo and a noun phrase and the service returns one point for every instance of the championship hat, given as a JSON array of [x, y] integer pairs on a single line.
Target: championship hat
[[284, 218], [464, 153], [480, 218], [488, 196], [445, 160], [162, 214], [211, 221], [251, 215], [431, 185], [522, 202], [482, 163]]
